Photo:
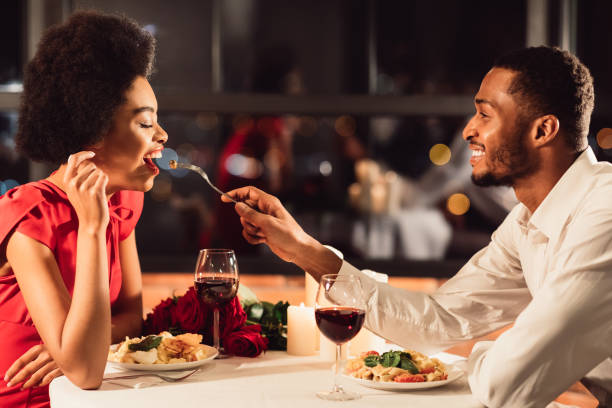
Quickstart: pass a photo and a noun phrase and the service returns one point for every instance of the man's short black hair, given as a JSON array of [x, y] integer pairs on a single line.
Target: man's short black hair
[[552, 81], [77, 80]]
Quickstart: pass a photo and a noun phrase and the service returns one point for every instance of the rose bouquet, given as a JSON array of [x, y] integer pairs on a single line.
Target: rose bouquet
[[188, 314]]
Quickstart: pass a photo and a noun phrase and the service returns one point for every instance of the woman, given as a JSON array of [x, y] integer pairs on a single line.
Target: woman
[[69, 273]]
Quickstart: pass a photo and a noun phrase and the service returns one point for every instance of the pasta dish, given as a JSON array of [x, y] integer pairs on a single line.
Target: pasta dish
[[396, 366], [162, 349]]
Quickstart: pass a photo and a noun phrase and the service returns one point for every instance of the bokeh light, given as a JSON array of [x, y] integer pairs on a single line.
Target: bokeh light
[[345, 126], [7, 185], [187, 150], [439, 154], [604, 138], [244, 166], [325, 168], [207, 121], [458, 204], [167, 155]]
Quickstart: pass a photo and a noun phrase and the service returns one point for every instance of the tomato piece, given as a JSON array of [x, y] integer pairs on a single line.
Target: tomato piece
[[368, 353], [427, 370], [409, 378]]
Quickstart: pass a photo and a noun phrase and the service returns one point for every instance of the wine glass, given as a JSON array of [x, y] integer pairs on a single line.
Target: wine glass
[[339, 313], [216, 282]]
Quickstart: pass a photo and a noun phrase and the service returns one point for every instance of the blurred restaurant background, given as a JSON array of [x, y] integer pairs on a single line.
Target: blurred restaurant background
[[350, 111]]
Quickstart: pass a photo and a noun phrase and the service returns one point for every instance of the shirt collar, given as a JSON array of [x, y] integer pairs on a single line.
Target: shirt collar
[[551, 215]]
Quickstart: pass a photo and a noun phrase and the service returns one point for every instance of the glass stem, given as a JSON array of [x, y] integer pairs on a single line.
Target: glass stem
[[338, 387], [216, 328]]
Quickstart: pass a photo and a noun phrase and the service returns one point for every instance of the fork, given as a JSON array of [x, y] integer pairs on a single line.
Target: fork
[[173, 164], [163, 377]]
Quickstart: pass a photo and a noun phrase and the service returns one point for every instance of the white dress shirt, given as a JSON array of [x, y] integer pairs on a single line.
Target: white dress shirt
[[549, 273]]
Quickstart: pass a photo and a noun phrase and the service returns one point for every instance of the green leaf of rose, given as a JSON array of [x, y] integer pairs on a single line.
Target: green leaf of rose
[[255, 312]]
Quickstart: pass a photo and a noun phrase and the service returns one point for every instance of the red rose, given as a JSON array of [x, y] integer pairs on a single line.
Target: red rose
[[161, 319], [246, 342], [189, 313], [231, 317]]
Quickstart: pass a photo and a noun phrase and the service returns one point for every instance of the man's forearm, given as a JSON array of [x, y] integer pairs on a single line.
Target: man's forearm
[[317, 260]]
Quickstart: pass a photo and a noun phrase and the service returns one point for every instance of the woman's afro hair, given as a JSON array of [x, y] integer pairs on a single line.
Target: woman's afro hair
[[77, 80]]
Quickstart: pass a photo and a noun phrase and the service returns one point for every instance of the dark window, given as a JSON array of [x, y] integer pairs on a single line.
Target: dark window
[[11, 41]]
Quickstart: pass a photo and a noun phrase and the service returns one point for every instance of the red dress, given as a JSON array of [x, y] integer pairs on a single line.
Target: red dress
[[42, 211]]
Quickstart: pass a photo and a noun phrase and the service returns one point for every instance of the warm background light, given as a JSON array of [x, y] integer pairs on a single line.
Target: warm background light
[[458, 204], [345, 126], [439, 154], [604, 138]]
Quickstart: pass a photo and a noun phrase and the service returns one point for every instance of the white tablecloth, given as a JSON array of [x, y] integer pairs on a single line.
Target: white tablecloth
[[271, 380]]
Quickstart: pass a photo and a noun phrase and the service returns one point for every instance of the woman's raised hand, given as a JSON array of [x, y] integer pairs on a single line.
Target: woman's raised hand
[[85, 186]]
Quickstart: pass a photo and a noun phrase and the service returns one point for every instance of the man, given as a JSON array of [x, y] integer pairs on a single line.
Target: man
[[548, 267]]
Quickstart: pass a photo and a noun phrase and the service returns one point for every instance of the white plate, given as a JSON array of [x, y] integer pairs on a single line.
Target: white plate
[[453, 374], [164, 367]]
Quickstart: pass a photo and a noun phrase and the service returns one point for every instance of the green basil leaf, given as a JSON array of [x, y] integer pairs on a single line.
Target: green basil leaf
[[148, 343], [407, 364], [390, 359], [372, 360], [405, 355], [395, 359]]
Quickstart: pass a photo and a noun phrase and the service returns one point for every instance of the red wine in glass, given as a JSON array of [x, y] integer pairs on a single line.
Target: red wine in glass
[[216, 291], [339, 324], [340, 314], [216, 283]]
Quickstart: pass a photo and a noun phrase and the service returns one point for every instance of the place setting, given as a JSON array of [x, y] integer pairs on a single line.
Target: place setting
[[180, 356]]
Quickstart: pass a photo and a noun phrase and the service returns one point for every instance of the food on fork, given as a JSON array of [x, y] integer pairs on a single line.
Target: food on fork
[[161, 349], [396, 366]]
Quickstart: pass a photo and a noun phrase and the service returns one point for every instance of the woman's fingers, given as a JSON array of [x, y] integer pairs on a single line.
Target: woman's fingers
[[84, 173], [101, 182], [31, 369], [25, 359], [73, 164], [35, 367], [37, 378], [50, 376], [94, 181]]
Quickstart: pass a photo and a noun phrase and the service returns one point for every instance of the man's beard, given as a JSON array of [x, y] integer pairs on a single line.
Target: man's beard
[[513, 156]]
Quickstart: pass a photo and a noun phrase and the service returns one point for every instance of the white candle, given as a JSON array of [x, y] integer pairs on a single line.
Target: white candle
[[311, 286], [301, 331]]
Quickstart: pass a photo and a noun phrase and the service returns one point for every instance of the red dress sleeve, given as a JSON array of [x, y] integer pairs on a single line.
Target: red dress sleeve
[[26, 210]]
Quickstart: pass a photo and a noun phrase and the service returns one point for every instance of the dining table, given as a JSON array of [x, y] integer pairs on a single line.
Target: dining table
[[273, 379]]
